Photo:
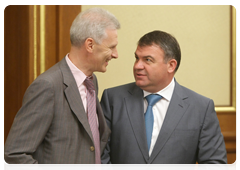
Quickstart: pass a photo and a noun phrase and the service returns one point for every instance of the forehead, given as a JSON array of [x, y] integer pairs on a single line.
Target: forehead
[[151, 50], [111, 35]]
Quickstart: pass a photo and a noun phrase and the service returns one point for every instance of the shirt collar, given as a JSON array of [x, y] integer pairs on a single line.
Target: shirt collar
[[78, 74], [166, 93]]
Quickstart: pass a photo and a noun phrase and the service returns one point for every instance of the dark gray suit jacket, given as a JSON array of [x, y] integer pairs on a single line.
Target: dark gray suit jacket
[[52, 126], [190, 132]]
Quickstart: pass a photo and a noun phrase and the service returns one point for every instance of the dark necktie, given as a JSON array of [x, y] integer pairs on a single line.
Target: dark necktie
[[92, 117], [149, 119]]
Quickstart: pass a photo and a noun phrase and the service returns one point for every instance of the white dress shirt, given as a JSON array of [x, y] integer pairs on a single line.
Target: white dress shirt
[[159, 110]]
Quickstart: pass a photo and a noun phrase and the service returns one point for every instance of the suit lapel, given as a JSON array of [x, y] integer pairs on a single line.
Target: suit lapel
[[134, 103], [103, 128], [73, 97], [176, 110]]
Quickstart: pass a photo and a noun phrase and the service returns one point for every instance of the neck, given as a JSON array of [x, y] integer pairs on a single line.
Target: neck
[[79, 57]]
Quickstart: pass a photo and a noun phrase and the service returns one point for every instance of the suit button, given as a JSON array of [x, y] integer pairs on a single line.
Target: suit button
[[92, 148]]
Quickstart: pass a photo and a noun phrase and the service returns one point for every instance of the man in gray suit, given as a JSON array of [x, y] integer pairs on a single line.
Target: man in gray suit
[[61, 120], [179, 127]]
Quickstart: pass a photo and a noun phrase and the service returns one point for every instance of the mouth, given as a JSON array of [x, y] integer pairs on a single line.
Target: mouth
[[107, 61], [140, 74]]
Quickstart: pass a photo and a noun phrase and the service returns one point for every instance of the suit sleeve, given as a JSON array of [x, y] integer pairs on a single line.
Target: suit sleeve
[[211, 143], [107, 113], [31, 123]]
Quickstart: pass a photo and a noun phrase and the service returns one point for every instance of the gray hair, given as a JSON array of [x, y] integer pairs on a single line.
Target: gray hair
[[92, 23]]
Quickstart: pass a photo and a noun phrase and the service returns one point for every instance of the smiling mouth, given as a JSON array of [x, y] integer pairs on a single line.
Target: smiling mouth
[[108, 60]]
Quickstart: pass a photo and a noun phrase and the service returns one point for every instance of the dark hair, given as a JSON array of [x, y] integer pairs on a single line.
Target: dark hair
[[166, 42]]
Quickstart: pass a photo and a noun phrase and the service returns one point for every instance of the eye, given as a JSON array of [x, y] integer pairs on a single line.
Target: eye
[[136, 57], [148, 60], [113, 47]]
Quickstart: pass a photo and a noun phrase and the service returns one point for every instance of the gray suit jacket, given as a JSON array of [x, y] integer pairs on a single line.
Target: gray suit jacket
[[190, 132], [52, 125]]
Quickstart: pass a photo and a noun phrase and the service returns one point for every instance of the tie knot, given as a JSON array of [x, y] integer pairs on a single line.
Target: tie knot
[[153, 98], [89, 83]]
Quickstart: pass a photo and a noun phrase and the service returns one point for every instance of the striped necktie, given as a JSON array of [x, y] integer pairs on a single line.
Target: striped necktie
[[92, 116]]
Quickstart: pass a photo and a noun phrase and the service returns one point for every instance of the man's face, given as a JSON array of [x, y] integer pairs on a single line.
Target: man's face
[[150, 70], [105, 51]]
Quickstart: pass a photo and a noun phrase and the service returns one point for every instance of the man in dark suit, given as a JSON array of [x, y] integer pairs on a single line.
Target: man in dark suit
[[61, 120], [155, 120]]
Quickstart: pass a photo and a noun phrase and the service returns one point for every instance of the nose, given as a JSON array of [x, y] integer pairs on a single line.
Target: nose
[[138, 65], [115, 53]]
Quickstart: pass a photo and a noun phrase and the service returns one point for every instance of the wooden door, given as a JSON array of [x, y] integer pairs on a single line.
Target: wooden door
[[35, 38]]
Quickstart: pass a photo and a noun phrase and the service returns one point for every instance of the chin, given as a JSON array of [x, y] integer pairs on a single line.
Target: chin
[[103, 70], [139, 84]]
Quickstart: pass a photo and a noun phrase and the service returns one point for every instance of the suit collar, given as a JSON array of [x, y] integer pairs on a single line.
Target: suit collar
[[75, 102], [73, 97], [78, 75], [136, 117]]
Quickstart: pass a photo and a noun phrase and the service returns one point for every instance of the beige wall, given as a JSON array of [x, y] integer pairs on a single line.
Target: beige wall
[[203, 33]]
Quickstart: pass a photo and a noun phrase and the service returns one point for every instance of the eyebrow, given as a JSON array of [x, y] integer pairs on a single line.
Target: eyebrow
[[113, 46], [148, 56]]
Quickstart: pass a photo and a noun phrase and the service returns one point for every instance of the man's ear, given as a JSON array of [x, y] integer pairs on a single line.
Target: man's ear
[[89, 44], [172, 64]]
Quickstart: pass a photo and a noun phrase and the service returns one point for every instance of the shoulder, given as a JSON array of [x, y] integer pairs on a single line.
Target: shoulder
[[48, 79], [120, 91], [53, 75], [116, 94], [191, 96], [122, 88]]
